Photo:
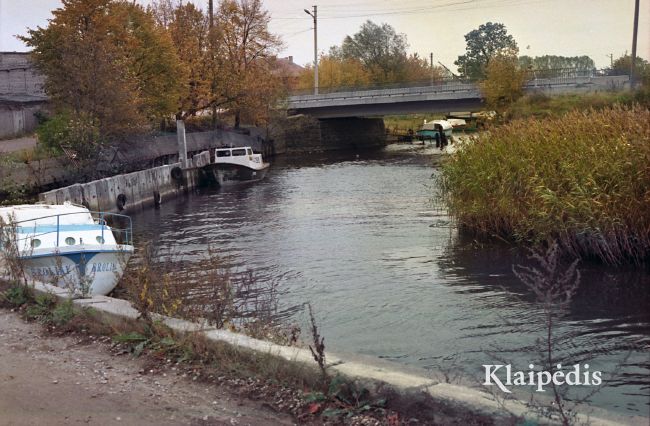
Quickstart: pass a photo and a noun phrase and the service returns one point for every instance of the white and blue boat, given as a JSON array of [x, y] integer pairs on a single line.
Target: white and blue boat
[[69, 246], [237, 165]]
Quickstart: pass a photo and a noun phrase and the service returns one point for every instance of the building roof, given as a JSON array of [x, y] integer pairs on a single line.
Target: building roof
[[288, 67]]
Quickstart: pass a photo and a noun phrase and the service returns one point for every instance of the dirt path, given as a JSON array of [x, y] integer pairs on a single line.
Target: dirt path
[[64, 381], [11, 145]]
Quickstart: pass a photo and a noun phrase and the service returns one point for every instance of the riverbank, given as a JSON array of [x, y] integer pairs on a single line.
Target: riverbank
[[361, 393]]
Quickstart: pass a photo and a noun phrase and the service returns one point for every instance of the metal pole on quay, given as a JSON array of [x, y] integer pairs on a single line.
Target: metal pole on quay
[[315, 16]]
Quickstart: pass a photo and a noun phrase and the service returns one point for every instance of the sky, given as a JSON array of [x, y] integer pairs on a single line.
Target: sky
[[596, 28]]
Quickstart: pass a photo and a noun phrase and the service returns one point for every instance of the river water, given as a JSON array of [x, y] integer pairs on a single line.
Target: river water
[[360, 237]]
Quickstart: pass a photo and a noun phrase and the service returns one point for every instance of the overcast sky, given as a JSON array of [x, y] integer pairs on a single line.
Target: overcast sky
[[555, 27]]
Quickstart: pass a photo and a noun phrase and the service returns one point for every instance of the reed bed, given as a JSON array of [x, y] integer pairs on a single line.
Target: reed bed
[[582, 179]]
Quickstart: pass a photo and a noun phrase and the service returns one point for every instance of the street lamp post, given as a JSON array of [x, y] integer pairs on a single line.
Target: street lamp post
[[315, 15]]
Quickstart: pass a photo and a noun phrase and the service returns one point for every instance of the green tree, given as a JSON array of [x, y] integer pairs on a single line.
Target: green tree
[[623, 65], [483, 44], [107, 60], [74, 134], [380, 49]]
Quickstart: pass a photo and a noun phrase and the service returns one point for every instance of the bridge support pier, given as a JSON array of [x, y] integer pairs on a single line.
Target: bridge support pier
[[303, 133]]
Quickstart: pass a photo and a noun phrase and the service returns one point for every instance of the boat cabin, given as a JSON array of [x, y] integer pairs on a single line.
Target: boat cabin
[[242, 156], [433, 129], [50, 227]]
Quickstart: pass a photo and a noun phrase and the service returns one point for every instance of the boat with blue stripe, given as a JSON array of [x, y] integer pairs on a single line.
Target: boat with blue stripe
[[68, 245]]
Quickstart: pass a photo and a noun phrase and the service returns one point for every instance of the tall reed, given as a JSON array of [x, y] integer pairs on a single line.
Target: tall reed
[[582, 179]]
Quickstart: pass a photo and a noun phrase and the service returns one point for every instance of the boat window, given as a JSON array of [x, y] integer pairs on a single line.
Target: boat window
[[36, 242], [238, 152], [224, 153], [70, 241], [100, 239], [250, 151]]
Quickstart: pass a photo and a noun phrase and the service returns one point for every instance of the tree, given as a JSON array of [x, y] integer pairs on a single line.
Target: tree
[[504, 81], [623, 65], [553, 62], [335, 72], [189, 31], [108, 62], [483, 44], [380, 49], [419, 69], [245, 57]]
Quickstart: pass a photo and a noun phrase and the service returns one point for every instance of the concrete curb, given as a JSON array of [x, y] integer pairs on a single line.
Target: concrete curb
[[405, 382]]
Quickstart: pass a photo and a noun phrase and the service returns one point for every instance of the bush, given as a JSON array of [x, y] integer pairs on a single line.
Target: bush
[[583, 178], [76, 134], [16, 296]]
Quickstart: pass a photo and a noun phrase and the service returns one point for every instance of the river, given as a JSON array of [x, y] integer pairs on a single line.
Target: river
[[360, 237]]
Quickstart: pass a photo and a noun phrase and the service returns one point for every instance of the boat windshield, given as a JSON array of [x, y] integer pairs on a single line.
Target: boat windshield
[[223, 153], [237, 152]]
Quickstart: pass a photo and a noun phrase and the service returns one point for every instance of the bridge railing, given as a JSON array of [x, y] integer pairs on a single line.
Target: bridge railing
[[324, 90], [539, 76]]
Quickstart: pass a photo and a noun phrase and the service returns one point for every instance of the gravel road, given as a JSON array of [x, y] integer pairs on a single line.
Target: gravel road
[[51, 380]]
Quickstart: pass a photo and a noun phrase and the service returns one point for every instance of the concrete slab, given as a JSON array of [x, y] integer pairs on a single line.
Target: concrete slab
[[108, 305], [286, 352], [183, 326], [398, 379]]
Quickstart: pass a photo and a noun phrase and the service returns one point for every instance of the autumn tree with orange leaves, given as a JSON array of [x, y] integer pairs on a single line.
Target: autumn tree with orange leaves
[[110, 62]]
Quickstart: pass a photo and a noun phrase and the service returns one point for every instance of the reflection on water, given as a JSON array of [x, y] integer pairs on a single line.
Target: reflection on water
[[359, 236]]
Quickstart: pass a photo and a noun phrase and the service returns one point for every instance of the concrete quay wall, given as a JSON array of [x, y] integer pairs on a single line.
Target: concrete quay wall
[[128, 192]]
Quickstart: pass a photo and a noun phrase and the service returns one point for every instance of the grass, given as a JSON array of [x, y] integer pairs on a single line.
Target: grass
[[542, 106], [410, 121], [582, 178]]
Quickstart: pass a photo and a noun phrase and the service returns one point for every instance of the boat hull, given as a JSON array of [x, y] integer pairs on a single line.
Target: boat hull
[[85, 271], [232, 174]]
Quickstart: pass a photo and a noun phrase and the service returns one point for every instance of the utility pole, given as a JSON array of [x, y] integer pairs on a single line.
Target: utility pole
[[431, 62], [315, 16], [210, 39], [634, 34], [611, 60]]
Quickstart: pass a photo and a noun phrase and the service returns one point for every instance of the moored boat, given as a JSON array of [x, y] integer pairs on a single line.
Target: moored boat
[[236, 165], [433, 130], [69, 246]]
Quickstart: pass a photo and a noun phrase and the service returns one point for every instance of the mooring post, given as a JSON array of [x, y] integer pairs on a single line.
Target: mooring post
[[182, 143]]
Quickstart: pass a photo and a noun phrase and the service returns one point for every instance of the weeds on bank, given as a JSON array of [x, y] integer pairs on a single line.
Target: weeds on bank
[[43, 308], [554, 289], [582, 179], [207, 291], [541, 106]]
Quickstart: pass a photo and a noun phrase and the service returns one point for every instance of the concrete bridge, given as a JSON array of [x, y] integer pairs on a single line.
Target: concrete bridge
[[439, 97]]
